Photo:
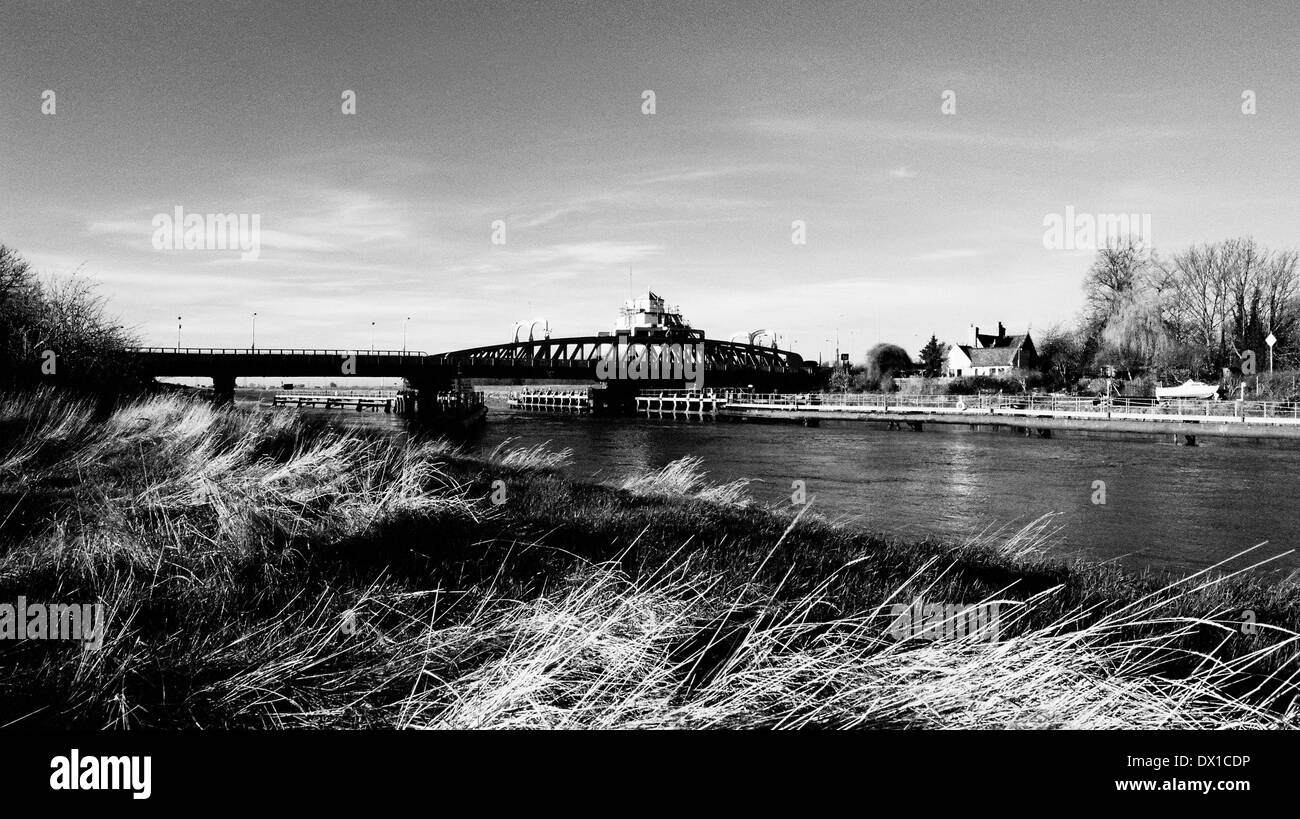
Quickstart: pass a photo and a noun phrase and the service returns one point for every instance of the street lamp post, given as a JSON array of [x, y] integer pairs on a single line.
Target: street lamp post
[[838, 322], [372, 336], [254, 337], [178, 334], [404, 321]]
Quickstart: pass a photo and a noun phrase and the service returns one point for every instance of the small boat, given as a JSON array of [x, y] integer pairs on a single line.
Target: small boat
[[1188, 389]]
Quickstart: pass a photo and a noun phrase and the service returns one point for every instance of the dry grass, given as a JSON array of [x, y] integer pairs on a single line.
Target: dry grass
[[607, 652], [539, 457], [263, 572], [686, 479]]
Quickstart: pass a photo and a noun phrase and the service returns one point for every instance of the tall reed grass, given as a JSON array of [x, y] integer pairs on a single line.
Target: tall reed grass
[[265, 570]]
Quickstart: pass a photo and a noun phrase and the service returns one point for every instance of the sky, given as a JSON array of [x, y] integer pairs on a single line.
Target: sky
[[915, 221]]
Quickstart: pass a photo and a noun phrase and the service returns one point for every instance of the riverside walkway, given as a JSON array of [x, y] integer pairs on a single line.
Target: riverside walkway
[[1038, 414]]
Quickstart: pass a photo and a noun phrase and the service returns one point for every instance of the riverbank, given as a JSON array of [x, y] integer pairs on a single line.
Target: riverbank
[[262, 569]]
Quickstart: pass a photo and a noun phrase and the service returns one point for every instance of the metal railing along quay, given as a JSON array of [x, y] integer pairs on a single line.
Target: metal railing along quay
[[1044, 406]]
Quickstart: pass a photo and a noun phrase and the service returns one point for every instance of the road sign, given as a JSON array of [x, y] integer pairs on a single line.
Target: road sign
[[1271, 340]]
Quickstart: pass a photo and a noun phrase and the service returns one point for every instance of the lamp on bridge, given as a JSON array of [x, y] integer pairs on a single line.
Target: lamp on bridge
[[408, 318], [372, 336], [254, 337], [178, 333]]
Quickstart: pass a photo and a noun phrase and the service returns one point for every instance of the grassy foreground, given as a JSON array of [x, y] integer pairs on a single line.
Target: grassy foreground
[[267, 571]]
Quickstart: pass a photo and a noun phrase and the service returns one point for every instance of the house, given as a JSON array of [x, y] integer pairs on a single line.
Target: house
[[991, 354]]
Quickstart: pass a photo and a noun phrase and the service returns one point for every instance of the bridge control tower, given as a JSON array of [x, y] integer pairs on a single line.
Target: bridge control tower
[[649, 317]]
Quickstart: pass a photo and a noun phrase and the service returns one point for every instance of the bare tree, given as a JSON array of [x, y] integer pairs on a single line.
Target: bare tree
[[1225, 298], [65, 316]]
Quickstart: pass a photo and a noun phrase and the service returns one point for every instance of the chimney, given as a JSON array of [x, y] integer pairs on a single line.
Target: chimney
[[1002, 331], [975, 336]]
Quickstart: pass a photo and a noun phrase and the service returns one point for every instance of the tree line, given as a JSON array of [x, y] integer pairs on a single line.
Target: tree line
[[57, 331], [1188, 315], [1193, 314]]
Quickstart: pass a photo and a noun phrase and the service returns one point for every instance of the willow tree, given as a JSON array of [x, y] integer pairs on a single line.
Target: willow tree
[[1135, 336]]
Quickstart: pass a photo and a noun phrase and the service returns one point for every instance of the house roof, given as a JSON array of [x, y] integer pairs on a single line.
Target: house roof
[[993, 356], [1015, 342], [995, 351]]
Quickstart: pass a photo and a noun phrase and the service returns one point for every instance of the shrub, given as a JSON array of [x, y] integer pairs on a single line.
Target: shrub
[[883, 362], [975, 384], [1280, 386]]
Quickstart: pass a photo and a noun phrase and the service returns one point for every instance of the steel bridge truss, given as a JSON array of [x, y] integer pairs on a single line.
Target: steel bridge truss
[[594, 356]]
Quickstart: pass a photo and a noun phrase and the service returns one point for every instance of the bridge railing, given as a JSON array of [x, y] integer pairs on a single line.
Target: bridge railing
[[273, 351], [514, 360]]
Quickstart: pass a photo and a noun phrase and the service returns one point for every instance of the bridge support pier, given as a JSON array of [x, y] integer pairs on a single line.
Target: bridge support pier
[[617, 398], [421, 397], [223, 390]]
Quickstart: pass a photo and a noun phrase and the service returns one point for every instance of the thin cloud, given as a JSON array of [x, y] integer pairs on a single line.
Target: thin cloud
[[947, 255], [867, 130]]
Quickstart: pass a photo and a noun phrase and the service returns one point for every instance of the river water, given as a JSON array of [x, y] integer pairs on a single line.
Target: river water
[[1166, 507]]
